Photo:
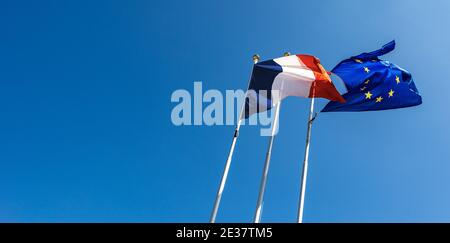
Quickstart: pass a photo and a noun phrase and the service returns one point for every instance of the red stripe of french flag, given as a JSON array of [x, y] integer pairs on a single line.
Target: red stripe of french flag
[[322, 86]]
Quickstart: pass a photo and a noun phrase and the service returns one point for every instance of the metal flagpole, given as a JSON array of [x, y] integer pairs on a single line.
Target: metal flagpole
[[230, 156], [262, 187], [305, 163]]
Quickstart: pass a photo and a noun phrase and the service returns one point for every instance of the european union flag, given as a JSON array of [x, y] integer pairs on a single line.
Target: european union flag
[[374, 84]]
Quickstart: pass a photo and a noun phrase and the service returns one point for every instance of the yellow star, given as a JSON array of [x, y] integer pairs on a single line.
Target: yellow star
[[368, 95], [363, 88], [379, 99], [391, 93], [367, 81], [358, 60], [366, 69], [397, 79]]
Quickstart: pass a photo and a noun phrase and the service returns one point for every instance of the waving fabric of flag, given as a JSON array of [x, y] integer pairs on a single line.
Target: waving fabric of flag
[[374, 84], [294, 75]]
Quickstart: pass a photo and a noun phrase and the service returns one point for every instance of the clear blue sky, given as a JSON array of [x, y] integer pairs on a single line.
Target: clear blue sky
[[85, 130]]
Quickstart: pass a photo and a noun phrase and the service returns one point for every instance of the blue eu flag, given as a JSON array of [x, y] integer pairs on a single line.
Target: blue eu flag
[[373, 84]]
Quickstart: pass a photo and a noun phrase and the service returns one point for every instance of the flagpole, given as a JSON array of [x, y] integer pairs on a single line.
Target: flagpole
[[305, 163], [262, 187], [223, 181]]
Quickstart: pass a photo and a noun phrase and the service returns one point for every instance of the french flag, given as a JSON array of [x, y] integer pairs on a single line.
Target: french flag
[[294, 75]]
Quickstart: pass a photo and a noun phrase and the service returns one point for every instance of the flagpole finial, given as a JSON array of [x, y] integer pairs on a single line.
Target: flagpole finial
[[287, 54], [256, 58]]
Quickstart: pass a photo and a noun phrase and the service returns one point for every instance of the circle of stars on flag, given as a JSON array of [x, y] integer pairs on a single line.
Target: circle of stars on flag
[[368, 95]]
